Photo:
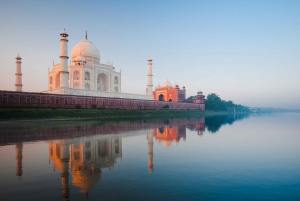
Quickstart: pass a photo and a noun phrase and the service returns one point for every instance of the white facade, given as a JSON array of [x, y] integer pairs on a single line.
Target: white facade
[[86, 75]]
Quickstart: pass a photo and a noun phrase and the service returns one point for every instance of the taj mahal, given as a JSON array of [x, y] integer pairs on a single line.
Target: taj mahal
[[83, 75]]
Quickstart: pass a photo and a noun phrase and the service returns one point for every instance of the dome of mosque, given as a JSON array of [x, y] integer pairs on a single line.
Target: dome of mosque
[[175, 85], [86, 49], [167, 84]]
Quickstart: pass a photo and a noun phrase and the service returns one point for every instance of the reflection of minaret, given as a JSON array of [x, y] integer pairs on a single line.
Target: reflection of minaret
[[65, 171], [19, 157], [150, 151]]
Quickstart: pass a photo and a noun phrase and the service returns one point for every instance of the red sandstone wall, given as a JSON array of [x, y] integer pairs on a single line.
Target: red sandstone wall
[[43, 100]]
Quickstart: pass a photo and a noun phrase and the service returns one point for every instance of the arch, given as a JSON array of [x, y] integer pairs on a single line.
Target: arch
[[102, 82], [76, 86], [76, 75], [87, 86], [50, 79], [57, 80], [116, 80], [161, 130], [170, 100], [87, 76], [161, 97], [116, 89]]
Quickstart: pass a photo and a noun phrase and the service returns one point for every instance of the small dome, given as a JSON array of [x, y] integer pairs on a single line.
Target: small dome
[[63, 32], [18, 57], [79, 58], [175, 85], [167, 84], [109, 63], [199, 92], [86, 49]]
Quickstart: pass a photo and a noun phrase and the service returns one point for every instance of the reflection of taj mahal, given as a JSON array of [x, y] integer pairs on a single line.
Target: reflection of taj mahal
[[85, 159]]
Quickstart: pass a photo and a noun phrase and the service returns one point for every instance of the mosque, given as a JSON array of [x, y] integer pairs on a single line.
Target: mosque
[[84, 75]]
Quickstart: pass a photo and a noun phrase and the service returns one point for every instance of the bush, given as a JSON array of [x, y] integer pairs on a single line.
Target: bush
[[77, 106], [100, 108], [165, 107]]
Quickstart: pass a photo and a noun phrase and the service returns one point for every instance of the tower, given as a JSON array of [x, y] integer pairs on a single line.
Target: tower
[[18, 74], [64, 60], [149, 85], [19, 157], [150, 151]]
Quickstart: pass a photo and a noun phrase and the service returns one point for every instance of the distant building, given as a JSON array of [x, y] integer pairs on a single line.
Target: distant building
[[198, 99], [169, 93]]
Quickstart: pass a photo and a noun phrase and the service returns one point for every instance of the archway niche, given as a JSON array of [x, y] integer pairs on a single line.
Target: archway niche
[[87, 76], [87, 86], [50, 79], [57, 80], [116, 80], [161, 97], [116, 89], [102, 82], [170, 100], [76, 86], [76, 75]]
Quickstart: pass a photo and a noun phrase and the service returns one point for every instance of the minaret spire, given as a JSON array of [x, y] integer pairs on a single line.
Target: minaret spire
[[150, 85], [64, 60], [18, 82], [85, 34]]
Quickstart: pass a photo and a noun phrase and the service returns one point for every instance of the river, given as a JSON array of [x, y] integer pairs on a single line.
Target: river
[[227, 157]]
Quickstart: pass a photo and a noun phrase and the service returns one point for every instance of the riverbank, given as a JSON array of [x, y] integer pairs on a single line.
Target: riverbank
[[66, 114]]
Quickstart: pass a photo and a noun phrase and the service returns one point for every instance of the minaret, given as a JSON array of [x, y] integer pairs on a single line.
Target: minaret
[[18, 74], [65, 158], [150, 151], [64, 59], [150, 85]]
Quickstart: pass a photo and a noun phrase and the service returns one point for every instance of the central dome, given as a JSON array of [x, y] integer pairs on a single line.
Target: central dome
[[86, 49]]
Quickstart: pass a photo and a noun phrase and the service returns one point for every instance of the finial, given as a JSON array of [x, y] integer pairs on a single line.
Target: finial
[[85, 34]]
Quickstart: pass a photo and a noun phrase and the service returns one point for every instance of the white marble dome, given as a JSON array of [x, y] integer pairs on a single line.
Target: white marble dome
[[167, 84], [86, 49]]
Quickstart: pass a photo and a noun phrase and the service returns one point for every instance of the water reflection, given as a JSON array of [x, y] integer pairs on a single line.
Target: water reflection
[[84, 159], [80, 151], [19, 158]]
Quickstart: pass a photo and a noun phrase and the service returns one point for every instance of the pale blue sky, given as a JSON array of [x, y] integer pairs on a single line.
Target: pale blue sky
[[246, 51]]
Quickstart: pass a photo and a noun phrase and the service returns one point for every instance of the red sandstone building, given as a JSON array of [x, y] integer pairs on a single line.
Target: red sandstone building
[[169, 93], [198, 99]]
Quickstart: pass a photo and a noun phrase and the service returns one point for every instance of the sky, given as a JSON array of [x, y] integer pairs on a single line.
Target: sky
[[244, 51]]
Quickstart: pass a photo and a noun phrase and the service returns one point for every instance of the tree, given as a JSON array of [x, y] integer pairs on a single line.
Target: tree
[[191, 98]]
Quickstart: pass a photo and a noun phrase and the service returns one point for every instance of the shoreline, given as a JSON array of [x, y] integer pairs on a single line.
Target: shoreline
[[45, 114]]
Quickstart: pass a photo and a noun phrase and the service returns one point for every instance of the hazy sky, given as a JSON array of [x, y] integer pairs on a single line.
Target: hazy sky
[[245, 51]]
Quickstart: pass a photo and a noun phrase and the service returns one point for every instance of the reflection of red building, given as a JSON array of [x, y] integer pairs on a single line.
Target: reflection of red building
[[169, 93], [170, 134], [199, 126]]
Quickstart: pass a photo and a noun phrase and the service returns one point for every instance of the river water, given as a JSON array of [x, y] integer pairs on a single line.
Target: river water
[[231, 157]]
